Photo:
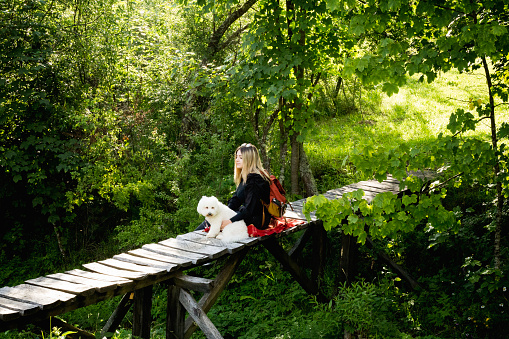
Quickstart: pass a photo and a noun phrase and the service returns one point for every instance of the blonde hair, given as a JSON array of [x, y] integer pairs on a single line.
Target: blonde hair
[[251, 163]]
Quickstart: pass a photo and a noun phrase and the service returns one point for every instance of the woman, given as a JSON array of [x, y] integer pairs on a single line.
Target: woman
[[252, 183]]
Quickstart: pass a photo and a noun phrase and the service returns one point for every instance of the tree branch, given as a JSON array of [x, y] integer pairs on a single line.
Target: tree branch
[[218, 34]]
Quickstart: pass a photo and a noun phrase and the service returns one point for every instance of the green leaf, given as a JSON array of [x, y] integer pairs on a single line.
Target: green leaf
[[333, 5], [358, 194], [357, 25], [503, 131], [390, 89], [409, 199], [352, 218]]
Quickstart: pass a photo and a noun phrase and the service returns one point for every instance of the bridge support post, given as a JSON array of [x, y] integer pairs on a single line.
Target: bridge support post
[[142, 316], [175, 316], [319, 246], [349, 250]]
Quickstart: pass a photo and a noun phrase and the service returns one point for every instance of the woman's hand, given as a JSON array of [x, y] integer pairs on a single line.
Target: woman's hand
[[225, 223]]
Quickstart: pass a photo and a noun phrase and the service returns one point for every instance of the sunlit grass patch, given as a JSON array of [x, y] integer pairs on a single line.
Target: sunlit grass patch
[[416, 115]]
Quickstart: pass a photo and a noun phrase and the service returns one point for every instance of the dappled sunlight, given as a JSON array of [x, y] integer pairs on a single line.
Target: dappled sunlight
[[416, 115]]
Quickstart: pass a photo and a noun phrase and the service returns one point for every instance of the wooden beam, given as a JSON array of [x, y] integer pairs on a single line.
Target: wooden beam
[[198, 315], [291, 266], [400, 271], [142, 316], [175, 316], [222, 279], [194, 283], [300, 243], [118, 315]]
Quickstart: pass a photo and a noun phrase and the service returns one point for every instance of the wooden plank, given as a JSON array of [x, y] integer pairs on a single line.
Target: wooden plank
[[23, 308], [377, 187], [173, 252], [297, 214], [100, 277], [199, 316], [152, 254], [201, 238], [340, 191], [296, 228], [122, 265], [60, 285], [144, 261], [372, 191], [6, 314], [222, 244], [369, 193], [97, 285], [250, 241], [107, 270], [388, 185], [212, 252], [319, 249], [44, 297]]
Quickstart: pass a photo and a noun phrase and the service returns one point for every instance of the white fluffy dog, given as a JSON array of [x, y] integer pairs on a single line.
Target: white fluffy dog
[[215, 212]]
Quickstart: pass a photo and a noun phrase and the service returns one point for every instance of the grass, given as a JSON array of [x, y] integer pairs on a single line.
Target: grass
[[416, 115]]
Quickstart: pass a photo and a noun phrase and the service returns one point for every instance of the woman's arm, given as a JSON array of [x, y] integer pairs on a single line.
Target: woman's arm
[[252, 196], [235, 201]]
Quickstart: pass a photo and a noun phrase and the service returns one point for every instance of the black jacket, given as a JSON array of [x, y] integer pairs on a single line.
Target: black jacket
[[246, 201]]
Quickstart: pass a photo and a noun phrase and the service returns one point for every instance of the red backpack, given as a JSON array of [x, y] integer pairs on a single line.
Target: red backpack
[[278, 202]]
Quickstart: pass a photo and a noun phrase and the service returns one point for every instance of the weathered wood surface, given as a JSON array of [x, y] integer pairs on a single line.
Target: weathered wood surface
[[152, 263]]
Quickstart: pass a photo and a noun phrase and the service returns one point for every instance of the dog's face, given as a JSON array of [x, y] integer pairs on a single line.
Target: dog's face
[[208, 206]]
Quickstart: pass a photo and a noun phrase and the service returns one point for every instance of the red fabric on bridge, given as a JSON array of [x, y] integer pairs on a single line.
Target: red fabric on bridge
[[277, 225]]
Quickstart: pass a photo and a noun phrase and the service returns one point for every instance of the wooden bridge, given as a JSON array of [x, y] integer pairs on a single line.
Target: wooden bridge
[[133, 274]]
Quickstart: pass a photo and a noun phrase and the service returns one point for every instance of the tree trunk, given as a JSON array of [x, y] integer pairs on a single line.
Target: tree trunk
[[294, 164], [338, 87], [496, 169], [283, 150], [307, 174], [59, 242]]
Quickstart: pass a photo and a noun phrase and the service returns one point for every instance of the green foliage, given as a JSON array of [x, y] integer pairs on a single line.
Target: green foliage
[[385, 216], [367, 310]]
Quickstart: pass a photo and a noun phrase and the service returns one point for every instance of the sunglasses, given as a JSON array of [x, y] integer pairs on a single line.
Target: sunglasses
[[246, 145]]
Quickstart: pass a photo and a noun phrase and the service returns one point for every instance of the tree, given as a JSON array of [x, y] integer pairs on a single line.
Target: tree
[[288, 46], [428, 37]]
